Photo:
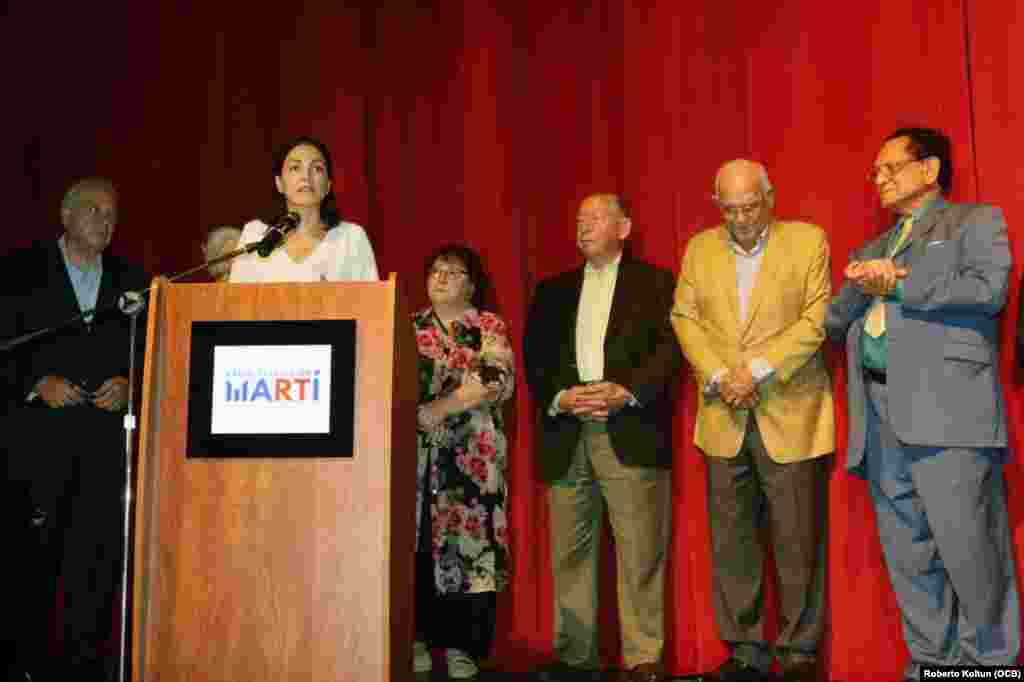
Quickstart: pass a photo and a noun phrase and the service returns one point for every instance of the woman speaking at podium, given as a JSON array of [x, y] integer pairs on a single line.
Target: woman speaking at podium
[[322, 246]]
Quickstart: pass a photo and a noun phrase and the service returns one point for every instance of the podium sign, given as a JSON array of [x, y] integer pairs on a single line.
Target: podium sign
[[271, 388]]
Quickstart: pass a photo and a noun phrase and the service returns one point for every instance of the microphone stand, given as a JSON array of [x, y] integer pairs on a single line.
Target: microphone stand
[[12, 343], [132, 303]]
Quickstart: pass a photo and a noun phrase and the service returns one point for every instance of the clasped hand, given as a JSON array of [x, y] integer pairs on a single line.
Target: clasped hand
[[594, 402], [59, 392], [471, 393], [875, 277], [738, 389]]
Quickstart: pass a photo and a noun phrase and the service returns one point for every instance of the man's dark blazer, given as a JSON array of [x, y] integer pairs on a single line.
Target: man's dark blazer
[[65, 466], [37, 293], [640, 353]]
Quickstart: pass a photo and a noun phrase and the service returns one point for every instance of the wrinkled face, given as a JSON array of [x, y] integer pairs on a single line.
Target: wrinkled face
[[600, 229], [746, 208], [90, 219], [899, 178], [303, 180], [448, 283]]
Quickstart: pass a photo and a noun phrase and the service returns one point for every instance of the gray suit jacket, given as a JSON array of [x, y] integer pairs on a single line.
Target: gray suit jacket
[[943, 370]]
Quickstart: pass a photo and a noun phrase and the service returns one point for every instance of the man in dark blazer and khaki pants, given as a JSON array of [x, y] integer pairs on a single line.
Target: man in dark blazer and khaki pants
[[600, 355]]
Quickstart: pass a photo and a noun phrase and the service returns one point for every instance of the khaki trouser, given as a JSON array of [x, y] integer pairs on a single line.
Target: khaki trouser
[[637, 500]]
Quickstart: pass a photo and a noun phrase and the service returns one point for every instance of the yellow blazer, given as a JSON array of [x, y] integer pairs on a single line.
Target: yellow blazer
[[784, 327]]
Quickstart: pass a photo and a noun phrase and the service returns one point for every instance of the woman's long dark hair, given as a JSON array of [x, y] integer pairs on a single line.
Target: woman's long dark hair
[[329, 207]]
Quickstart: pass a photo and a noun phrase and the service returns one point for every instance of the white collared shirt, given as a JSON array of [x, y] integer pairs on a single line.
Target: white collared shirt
[[595, 308]]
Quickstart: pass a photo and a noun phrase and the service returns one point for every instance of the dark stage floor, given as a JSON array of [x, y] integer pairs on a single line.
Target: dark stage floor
[[497, 676]]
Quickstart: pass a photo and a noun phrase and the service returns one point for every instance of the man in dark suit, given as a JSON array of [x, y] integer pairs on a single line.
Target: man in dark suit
[[63, 434], [919, 314], [600, 355]]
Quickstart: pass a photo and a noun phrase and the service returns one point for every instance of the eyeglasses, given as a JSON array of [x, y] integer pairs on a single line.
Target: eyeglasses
[[889, 170], [94, 212], [734, 211], [437, 273]]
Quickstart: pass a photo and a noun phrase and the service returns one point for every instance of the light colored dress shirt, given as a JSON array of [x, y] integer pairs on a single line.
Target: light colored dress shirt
[[592, 317], [747, 265], [344, 254], [85, 281]]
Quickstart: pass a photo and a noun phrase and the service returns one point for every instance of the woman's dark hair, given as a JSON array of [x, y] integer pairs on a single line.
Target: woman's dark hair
[[329, 208], [925, 142], [474, 269]]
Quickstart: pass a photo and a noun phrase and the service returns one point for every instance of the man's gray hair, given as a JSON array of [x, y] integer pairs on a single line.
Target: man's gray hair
[[85, 185]]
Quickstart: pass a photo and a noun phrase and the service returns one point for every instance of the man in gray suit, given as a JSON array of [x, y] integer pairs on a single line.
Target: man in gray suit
[[919, 314]]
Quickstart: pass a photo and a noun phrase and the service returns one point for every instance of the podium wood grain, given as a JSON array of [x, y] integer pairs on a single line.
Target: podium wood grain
[[277, 569]]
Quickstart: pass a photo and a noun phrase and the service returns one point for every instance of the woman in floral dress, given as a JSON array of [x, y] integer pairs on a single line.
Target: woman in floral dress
[[466, 372]]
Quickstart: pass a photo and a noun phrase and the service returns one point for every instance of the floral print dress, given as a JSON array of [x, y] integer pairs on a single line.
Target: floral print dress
[[465, 455]]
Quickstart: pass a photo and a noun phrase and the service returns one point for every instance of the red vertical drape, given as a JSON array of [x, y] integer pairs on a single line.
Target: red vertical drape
[[487, 122]]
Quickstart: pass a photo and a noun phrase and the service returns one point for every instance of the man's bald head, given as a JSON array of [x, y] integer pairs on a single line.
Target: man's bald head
[[744, 176], [746, 199]]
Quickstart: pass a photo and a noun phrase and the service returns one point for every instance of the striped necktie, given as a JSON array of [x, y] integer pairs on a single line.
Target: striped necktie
[[874, 324]]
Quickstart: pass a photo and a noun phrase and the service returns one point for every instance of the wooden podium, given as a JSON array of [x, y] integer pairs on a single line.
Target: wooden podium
[[275, 569]]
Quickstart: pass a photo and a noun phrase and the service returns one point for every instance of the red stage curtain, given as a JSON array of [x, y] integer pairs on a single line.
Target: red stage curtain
[[487, 122]]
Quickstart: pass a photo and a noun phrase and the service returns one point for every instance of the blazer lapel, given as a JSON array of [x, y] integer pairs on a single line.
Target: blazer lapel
[[622, 300], [764, 281], [68, 300], [574, 294], [725, 261], [923, 226], [109, 289]]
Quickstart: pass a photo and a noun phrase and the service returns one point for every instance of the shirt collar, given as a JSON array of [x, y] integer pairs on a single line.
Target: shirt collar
[[613, 267], [758, 245], [918, 212], [86, 270]]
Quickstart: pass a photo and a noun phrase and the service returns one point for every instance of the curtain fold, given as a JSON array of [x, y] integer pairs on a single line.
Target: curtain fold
[[486, 123]]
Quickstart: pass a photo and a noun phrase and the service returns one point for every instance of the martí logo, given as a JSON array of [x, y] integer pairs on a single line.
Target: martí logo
[[299, 386]]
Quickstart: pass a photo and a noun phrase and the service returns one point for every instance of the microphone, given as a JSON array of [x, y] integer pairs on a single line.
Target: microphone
[[276, 234], [131, 302]]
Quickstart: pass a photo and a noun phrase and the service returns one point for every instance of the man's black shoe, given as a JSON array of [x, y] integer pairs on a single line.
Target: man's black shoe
[[563, 672], [806, 671], [735, 670]]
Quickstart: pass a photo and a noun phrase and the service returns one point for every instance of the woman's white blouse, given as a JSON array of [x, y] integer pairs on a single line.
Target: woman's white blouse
[[344, 254]]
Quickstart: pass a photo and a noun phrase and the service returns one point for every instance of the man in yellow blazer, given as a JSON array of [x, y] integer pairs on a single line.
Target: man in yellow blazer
[[749, 314]]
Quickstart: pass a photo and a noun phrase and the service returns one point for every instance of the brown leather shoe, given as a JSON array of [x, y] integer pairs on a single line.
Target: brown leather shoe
[[805, 671], [563, 672], [648, 672], [735, 670]]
